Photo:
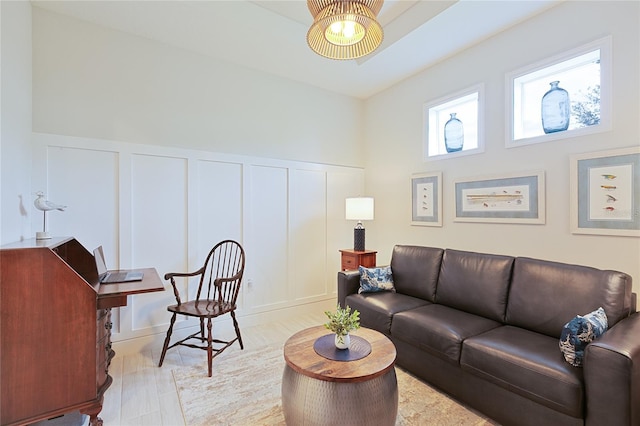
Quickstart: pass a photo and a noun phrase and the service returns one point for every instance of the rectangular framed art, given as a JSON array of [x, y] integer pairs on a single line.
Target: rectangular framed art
[[605, 192], [426, 199], [514, 198]]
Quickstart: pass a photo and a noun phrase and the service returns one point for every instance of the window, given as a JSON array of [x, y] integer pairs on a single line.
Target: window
[[565, 96], [453, 125]]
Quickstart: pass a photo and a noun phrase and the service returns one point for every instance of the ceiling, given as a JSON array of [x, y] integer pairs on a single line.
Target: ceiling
[[269, 35]]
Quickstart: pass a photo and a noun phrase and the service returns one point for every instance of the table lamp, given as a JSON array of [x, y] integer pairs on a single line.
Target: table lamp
[[359, 208]]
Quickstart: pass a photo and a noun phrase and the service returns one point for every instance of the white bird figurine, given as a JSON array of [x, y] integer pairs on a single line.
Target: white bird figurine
[[45, 205]]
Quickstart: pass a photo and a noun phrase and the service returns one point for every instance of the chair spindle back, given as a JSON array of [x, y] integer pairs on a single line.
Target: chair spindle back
[[222, 273]]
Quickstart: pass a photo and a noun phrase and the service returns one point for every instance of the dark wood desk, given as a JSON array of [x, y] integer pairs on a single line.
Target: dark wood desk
[[115, 294], [55, 329]]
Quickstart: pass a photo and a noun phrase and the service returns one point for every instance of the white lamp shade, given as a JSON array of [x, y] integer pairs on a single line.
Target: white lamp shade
[[359, 208]]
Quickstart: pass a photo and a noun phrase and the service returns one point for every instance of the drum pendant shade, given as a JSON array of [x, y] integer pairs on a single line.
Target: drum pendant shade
[[344, 29]]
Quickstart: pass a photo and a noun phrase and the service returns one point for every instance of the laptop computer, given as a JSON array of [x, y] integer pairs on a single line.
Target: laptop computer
[[108, 277]]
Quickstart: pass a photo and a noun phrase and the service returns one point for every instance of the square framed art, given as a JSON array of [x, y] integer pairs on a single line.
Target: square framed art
[[426, 199], [605, 192]]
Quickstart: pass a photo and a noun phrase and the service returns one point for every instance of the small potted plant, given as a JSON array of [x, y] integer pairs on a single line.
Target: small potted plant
[[341, 322]]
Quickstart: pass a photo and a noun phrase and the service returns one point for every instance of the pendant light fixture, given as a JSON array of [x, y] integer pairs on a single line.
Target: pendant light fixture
[[344, 29]]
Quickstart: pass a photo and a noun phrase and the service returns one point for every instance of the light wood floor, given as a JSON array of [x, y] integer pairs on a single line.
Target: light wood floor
[[144, 394]]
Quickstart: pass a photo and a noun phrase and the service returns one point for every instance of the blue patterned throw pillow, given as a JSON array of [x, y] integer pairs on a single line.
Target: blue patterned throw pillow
[[375, 279], [579, 332]]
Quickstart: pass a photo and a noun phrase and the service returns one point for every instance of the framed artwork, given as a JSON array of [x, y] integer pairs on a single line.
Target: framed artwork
[[515, 198], [605, 192], [426, 199]]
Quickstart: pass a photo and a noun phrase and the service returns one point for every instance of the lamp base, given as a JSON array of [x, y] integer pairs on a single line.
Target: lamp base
[[358, 239]]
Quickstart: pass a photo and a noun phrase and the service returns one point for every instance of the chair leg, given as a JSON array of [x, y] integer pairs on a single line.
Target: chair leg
[[235, 324], [209, 345], [202, 329], [167, 339]]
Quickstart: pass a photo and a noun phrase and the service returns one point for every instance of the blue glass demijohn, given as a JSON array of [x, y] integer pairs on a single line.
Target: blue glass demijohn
[[555, 109], [453, 134]]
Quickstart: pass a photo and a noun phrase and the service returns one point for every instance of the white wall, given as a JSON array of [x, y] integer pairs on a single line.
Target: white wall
[[163, 207], [160, 152], [15, 134], [95, 82], [393, 136]]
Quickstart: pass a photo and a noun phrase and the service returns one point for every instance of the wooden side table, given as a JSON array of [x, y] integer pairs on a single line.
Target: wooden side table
[[351, 259]]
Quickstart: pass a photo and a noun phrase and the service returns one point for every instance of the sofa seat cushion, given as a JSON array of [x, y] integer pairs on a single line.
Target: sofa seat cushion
[[439, 330], [377, 309], [526, 363]]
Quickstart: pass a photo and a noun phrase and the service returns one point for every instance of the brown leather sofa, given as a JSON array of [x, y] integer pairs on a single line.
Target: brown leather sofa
[[485, 329]]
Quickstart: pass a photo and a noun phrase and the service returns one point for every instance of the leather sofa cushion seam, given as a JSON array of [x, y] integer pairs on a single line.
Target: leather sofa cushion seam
[[523, 392], [510, 385], [521, 366]]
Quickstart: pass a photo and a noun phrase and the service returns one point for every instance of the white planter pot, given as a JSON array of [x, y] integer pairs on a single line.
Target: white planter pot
[[342, 342]]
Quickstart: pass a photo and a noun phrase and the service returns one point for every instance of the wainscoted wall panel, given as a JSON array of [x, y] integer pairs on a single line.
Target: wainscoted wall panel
[[218, 208], [87, 182], [267, 242], [159, 209], [166, 207], [218, 204], [308, 232]]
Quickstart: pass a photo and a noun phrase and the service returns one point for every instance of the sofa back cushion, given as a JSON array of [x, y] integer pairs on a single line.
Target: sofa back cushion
[[545, 295], [475, 283], [415, 270]]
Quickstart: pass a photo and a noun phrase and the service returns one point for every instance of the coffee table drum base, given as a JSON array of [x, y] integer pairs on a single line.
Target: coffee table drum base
[[309, 401]]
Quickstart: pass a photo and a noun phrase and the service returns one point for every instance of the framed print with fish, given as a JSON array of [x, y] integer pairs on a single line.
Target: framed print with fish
[[605, 192], [426, 199], [515, 198]]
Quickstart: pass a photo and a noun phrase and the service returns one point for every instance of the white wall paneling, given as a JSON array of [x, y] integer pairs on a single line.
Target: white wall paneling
[[159, 209], [86, 181], [218, 207], [152, 206], [218, 203], [308, 232], [267, 246]]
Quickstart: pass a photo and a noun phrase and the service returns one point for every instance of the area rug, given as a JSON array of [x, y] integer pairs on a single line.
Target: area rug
[[245, 390]]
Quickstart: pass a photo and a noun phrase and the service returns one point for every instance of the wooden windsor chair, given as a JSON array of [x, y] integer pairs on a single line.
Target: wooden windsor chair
[[219, 285]]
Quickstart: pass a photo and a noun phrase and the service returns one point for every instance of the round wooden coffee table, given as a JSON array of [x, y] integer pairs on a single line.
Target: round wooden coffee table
[[320, 391]]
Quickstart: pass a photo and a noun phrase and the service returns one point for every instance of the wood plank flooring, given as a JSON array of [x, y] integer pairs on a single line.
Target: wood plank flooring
[[144, 394]]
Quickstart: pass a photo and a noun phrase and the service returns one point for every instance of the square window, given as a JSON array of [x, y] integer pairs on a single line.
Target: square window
[[452, 125], [563, 97]]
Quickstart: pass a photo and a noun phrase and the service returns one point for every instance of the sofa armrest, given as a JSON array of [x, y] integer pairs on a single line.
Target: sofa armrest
[[348, 283], [612, 375]]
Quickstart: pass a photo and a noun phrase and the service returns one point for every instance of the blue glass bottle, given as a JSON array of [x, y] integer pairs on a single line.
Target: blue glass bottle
[[453, 134], [555, 109]]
